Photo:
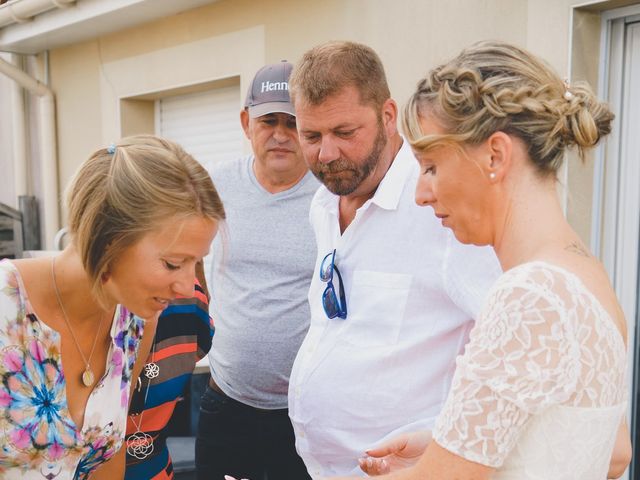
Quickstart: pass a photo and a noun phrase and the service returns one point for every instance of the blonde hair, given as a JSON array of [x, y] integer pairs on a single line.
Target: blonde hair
[[495, 86], [326, 69], [123, 192]]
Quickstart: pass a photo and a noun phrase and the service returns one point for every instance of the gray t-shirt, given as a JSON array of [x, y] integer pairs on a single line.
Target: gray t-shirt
[[263, 260]]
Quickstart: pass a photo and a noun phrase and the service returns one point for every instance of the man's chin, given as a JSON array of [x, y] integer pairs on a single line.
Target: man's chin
[[340, 189], [336, 185], [283, 162]]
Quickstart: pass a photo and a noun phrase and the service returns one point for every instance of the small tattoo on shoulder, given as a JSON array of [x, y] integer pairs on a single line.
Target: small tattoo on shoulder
[[578, 249]]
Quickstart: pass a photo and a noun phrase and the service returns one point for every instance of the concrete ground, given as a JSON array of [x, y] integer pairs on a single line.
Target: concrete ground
[[182, 451]]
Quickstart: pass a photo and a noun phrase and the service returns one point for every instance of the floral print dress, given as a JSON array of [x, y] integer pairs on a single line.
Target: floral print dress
[[38, 438]]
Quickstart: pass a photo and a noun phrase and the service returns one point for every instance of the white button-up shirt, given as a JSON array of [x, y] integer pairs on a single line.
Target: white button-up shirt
[[412, 291]]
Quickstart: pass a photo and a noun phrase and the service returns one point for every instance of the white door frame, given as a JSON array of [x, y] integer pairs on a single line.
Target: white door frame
[[616, 200]]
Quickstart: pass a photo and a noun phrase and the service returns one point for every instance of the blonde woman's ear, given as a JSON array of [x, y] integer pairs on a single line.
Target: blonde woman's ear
[[500, 149]]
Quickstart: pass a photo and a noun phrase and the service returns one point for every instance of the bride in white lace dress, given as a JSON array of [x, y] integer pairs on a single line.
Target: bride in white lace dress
[[540, 392]]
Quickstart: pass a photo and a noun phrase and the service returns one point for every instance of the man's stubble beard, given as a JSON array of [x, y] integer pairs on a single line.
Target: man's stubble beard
[[346, 186]]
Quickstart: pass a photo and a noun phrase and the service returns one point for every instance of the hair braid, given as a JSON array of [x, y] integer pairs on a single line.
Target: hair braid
[[494, 86]]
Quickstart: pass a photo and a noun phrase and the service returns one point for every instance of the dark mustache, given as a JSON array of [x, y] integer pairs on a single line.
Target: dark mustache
[[336, 166]]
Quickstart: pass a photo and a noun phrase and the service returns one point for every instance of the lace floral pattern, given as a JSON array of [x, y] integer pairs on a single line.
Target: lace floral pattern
[[38, 438], [543, 347]]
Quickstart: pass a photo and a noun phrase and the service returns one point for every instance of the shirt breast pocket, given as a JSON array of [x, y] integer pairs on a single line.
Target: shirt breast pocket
[[376, 307]]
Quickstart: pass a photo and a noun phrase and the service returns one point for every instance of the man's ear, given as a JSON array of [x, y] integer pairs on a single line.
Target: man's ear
[[499, 156], [390, 116], [244, 121]]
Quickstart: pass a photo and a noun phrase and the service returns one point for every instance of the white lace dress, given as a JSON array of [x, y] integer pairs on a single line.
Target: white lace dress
[[540, 390]]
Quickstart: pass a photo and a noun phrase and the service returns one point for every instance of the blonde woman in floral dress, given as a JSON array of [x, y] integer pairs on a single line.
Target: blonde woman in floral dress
[[141, 214]]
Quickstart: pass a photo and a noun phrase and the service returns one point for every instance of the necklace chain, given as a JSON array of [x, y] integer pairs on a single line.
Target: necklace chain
[[146, 393], [140, 444], [87, 376]]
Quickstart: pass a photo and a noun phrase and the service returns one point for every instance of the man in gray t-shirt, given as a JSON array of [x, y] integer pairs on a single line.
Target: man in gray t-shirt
[[263, 261]]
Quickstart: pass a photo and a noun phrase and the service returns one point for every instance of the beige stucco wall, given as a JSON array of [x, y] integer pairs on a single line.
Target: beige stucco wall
[[235, 37]]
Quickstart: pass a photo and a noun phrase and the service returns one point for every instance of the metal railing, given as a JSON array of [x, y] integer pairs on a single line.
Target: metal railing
[[19, 229], [11, 243]]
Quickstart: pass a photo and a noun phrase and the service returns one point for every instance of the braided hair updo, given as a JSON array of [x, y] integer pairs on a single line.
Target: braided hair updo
[[494, 86]]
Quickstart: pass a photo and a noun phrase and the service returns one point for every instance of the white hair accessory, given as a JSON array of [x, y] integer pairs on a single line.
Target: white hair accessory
[[567, 93]]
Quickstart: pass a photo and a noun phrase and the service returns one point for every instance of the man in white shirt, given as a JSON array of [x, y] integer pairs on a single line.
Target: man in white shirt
[[392, 307]]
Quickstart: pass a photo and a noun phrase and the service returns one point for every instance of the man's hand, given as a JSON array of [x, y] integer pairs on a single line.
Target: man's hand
[[400, 452]]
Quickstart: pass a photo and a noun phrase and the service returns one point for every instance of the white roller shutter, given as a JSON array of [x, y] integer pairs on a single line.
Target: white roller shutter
[[206, 124]]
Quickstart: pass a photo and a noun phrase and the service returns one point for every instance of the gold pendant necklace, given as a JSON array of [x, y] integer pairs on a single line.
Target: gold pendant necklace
[[87, 377]]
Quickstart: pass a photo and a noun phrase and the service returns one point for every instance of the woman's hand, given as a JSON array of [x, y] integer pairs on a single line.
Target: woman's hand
[[401, 452]]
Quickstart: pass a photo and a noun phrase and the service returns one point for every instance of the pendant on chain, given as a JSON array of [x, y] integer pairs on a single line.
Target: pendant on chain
[[87, 377], [151, 370], [140, 445]]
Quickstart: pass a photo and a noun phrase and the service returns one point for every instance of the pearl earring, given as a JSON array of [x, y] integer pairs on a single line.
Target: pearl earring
[[492, 176]]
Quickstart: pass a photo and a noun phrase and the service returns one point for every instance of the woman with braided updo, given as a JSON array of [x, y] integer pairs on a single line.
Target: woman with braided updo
[[540, 390]]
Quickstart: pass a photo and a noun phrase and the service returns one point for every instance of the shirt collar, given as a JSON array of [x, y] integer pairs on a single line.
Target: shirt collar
[[390, 190]]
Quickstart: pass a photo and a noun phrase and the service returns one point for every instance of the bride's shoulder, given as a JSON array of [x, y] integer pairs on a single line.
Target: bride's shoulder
[[535, 294], [558, 292], [549, 276], [573, 281], [536, 276]]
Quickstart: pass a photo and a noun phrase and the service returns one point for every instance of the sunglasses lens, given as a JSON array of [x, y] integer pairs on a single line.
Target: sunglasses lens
[[333, 306], [326, 268], [330, 303]]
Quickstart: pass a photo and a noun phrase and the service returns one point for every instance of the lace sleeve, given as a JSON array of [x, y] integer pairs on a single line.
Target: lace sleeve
[[521, 358]]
